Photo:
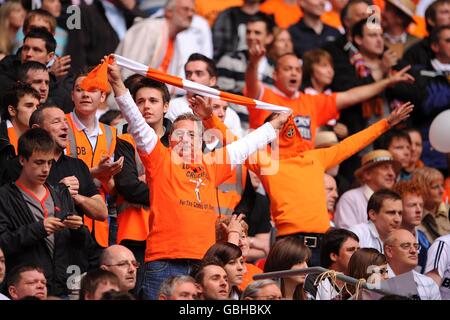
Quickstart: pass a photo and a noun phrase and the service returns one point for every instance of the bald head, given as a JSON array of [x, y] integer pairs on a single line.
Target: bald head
[[399, 236], [120, 261], [401, 250]]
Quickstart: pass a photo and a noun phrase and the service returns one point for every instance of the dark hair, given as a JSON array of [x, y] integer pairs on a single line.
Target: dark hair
[[35, 139], [362, 259], [376, 200], [114, 295], [132, 80], [332, 242], [386, 139], [150, 83], [223, 252], [42, 33], [22, 72], [210, 64], [198, 272], [109, 116], [37, 115], [358, 28], [15, 274], [344, 11], [39, 13], [430, 12], [93, 279], [311, 58], [266, 19], [436, 34], [13, 96]]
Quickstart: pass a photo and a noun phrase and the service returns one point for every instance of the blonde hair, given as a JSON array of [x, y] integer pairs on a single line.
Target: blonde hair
[[6, 39], [424, 177]]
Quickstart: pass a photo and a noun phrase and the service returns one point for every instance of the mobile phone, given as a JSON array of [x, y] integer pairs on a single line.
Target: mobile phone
[[67, 215]]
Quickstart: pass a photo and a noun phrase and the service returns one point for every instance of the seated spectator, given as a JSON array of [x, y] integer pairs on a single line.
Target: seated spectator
[[117, 295], [2, 273], [289, 253], [281, 44], [395, 19], [332, 194], [230, 257], [435, 221], [262, 290], [416, 149], [310, 32], [438, 265], [179, 288], [36, 75], [368, 264], [120, 261], [401, 249], [96, 282], [412, 216], [378, 171], [213, 281], [27, 281], [384, 211], [229, 28], [231, 66], [398, 143], [12, 16], [337, 248]]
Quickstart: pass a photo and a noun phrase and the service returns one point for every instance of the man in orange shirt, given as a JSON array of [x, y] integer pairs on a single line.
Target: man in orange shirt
[[296, 187], [182, 183], [309, 111]]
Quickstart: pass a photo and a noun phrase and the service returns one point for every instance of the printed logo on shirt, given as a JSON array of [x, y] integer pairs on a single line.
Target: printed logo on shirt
[[81, 151], [289, 132], [303, 124], [446, 283]]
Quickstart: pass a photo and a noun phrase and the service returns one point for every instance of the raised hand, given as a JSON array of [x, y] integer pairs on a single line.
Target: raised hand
[[399, 114], [401, 76], [201, 107], [279, 119], [256, 52], [114, 77], [61, 66]]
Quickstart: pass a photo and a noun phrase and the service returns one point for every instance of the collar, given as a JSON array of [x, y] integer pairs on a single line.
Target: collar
[[396, 39], [81, 127], [281, 93], [439, 66], [373, 230], [9, 124], [367, 192], [391, 272]]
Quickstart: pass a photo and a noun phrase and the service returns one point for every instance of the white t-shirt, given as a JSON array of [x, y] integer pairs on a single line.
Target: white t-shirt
[[438, 258], [326, 291]]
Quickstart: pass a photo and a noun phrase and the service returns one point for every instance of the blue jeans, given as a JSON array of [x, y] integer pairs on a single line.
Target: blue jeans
[[155, 272]]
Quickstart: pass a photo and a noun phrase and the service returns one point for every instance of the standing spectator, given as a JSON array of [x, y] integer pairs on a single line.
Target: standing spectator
[[435, 221], [27, 281], [395, 20], [289, 253], [384, 212], [337, 248], [231, 66], [120, 261], [178, 288], [438, 265], [213, 281], [230, 258], [96, 282], [209, 9], [416, 149], [188, 189], [12, 16], [401, 250], [310, 32], [229, 29], [38, 223], [412, 216], [266, 289], [2, 273], [398, 143], [378, 171], [36, 75], [160, 50], [286, 12]]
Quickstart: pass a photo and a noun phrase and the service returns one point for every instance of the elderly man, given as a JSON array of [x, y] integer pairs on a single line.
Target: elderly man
[[120, 261], [401, 249], [378, 171], [179, 288]]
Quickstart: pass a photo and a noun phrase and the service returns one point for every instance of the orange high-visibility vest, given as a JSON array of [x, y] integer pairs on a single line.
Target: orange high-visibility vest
[[80, 147], [13, 138], [132, 219], [230, 192]]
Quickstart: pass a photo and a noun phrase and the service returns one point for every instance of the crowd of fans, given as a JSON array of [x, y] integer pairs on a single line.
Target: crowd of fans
[[146, 191]]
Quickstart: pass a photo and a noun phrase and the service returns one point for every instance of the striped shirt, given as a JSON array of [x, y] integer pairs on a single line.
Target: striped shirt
[[439, 260]]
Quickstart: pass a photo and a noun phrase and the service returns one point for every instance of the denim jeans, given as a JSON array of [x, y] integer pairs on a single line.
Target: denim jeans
[[155, 272]]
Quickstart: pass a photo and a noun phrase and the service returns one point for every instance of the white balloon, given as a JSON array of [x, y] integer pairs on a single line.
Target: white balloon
[[440, 132]]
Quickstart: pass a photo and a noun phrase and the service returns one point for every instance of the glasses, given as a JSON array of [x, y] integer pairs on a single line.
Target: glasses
[[408, 245], [125, 264]]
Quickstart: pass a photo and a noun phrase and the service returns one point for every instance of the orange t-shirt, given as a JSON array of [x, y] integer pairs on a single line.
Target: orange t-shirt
[[209, 9], [296, 189], [168, 56], [309, 111], [285, 14], [183, 204], [332, 18], [248, 276]]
